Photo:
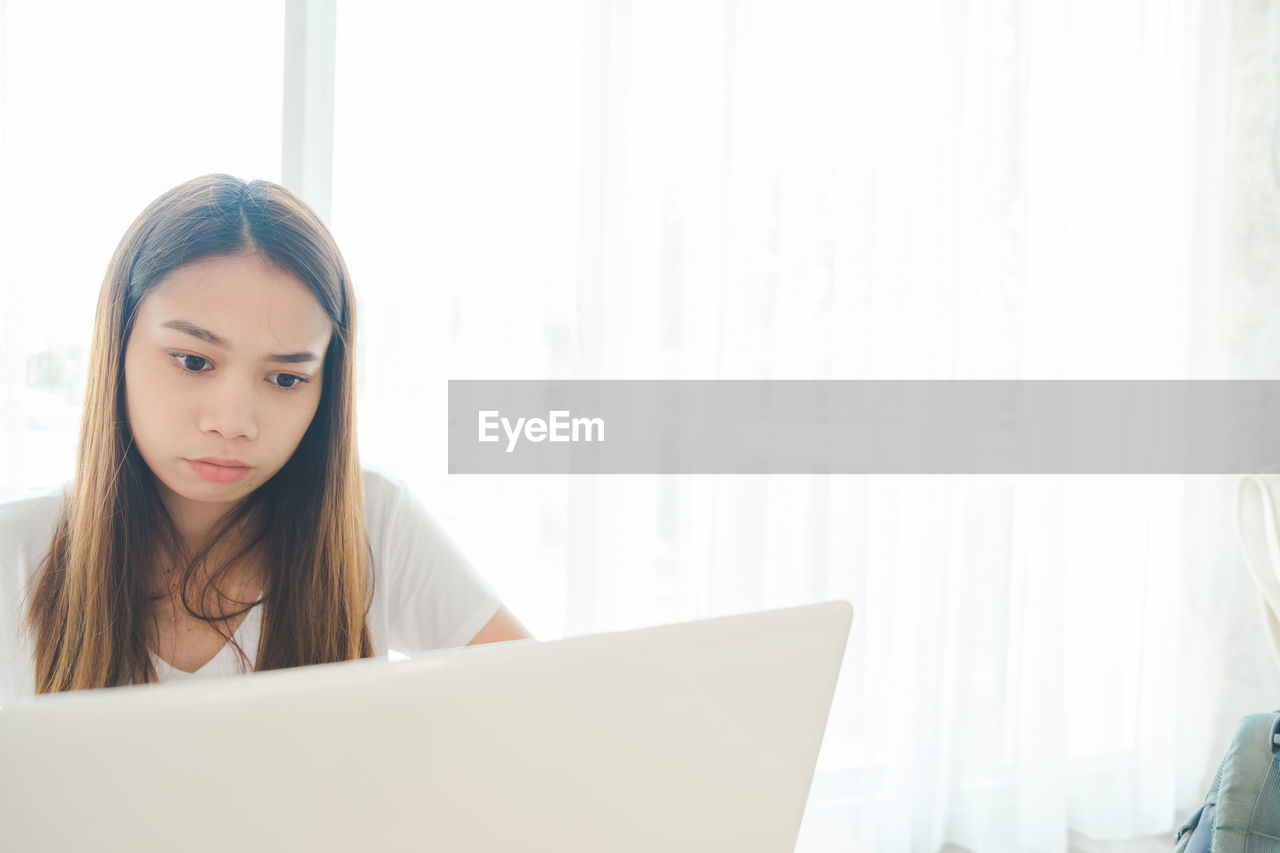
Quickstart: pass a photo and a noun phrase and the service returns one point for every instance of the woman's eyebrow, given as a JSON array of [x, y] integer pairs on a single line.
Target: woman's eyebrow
[[205, 335]]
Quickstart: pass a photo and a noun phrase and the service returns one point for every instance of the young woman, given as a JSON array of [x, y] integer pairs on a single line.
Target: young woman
[[219, 520]]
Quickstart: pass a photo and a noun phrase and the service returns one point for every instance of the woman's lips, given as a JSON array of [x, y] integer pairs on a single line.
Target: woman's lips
[[217, 473]]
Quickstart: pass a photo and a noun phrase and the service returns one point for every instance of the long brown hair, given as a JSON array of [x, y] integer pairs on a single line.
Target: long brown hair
[[92, 603]]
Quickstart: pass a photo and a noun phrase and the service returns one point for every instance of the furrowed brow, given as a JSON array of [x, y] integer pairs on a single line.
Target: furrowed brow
[[294, 357], [195, 331]]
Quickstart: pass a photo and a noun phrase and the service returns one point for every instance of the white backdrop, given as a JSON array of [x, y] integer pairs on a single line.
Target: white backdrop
[[747, 190]]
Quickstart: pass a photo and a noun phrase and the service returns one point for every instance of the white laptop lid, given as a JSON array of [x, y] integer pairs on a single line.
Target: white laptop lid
[[700, 736]]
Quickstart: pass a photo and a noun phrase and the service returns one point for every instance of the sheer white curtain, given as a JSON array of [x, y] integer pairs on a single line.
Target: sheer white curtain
[[750, 189], [781, 190]]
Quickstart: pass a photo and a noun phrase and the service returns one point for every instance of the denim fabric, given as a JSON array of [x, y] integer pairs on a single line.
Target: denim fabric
[[1202, 835], [1241, 813]]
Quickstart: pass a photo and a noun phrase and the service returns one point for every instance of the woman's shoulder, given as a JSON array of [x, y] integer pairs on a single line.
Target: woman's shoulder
[[391, 508], [383, 492], [27, 525], [401, 530], [426, 595], [28, 521], [378, 482]]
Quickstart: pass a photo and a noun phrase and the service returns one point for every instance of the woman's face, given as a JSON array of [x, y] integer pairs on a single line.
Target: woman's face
[[224, 362]]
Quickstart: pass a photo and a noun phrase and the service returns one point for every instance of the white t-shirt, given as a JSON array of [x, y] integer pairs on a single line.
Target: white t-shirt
[[425, 594]]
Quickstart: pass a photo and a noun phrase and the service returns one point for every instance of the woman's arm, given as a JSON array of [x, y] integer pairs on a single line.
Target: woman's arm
[[502, 627]]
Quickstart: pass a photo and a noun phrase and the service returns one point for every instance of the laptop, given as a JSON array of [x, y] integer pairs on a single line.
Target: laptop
[[698, 736]]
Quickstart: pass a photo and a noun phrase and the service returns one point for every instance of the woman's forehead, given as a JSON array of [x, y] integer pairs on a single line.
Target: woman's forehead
[[242, 300]]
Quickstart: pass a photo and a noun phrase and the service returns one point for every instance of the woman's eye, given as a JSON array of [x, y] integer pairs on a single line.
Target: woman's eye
[[193, 363], [288, 382], [199, 364]]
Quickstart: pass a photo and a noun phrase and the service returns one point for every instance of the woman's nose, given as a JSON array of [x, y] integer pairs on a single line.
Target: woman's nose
[[228, 409]]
